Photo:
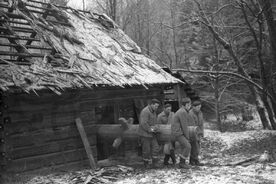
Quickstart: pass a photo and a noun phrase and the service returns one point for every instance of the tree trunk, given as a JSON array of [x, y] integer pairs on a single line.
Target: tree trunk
[[270, 113], [267, 7], [172, 9], [217, 104], [260, 108]]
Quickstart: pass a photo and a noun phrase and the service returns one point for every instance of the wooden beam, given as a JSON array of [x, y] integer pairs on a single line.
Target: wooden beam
[[14, 16], [27, 46], [63, 7], [19, 29], [31, 10], [86, 143], [19, 37], [21, 54], [15, 62], [14, 22], [9, 31]]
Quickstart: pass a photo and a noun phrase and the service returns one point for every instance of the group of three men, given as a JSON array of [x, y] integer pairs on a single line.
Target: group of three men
[[180, 121]]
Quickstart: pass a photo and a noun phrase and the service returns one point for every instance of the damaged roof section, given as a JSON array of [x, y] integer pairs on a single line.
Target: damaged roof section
[[48, 46]]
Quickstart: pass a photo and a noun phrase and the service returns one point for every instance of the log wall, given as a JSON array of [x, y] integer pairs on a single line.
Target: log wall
[[40, 131]]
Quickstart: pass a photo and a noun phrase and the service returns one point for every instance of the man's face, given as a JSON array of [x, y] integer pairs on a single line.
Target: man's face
[[168, 110], [188, 106], [155, 106], [197, 108]]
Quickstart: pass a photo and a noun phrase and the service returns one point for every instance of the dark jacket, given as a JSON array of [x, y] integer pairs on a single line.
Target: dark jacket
[[198, 120], [148, 118], [180, 123]]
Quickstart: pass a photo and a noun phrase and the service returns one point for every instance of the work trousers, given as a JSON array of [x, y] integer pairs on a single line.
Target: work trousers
[[150, 148], [195, 149], [185, 146]]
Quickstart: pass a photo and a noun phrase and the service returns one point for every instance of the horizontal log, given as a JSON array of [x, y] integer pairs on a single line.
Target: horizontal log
[[27, 46], [86, 98], [39, 137], [112, 132], [18, 29], [19, 37], [14, 16], [48, 160], [15, 62], [39, 7], [39, 2], [15, 22], [6, 53], [50, 147], [4, 5]]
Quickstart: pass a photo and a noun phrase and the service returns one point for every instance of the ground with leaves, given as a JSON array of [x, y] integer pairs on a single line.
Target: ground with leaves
[[221, 154]]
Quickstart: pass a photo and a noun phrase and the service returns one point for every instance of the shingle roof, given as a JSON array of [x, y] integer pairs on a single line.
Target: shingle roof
[[55, 47]]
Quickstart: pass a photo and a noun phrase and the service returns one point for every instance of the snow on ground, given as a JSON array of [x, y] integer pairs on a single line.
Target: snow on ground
[[206, 175], [219, 152]]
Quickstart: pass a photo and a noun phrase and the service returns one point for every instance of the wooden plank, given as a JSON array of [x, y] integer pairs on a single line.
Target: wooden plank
[[19, 37], [50, 147], [18, 29], [81, 95], [6, 53], [46, 135], [33, 121], [86, 143], [27, 46], [15, 22], [48, 160], [86, 99]]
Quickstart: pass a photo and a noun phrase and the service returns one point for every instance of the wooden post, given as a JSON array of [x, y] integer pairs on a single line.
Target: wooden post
[[3, 120], [86, 143], [179, 94]]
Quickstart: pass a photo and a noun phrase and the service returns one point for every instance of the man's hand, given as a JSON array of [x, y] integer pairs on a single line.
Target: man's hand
[[154, 129]]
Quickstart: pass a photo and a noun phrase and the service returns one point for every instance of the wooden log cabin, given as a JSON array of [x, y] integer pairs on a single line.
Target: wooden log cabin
[[58, 64]]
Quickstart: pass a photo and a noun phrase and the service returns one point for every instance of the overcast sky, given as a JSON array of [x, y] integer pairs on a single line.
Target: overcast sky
[[78, 4]]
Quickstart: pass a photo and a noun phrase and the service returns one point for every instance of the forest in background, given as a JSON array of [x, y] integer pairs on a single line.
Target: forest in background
[[225, 48]]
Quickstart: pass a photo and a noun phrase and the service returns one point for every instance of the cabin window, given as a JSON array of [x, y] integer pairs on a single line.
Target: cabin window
[[104, 114]]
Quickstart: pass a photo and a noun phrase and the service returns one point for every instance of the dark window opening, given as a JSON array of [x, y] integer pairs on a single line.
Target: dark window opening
[[104, 114]]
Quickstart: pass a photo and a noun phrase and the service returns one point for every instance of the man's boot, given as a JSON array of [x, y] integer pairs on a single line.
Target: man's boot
[[195, 162], [172, 155], [155, 163], [146, 164], [166, 159], [182, 164]]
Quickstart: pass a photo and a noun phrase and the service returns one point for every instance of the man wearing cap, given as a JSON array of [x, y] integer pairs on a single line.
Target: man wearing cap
[[196, 113], [166, 117], [180, 131], [147, 132]]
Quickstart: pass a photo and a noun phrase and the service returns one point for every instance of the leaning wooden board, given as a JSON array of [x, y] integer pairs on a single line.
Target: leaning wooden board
[[86, 143]]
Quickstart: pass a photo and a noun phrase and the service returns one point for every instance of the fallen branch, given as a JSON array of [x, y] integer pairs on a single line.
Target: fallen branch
[[244, 161]]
